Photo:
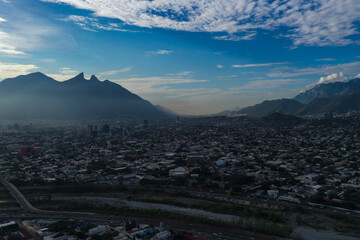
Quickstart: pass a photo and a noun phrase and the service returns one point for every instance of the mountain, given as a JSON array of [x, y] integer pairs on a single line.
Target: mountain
[[331, 105], [330, 90], [284, 106], [37, 96], [291, 107]]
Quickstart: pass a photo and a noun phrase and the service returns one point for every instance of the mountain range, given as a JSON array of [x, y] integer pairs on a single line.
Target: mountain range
[[330, 90], [337, 97], [37, 96]]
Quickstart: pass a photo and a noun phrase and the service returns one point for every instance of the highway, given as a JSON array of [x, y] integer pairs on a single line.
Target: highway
[[25, 205]]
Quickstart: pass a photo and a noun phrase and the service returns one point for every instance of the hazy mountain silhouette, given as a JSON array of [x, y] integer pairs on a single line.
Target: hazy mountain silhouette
[[37, 96], [284, 106], [337, 97], [291, 107], [330, 90]]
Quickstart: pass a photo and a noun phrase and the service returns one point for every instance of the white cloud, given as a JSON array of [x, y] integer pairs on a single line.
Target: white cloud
[[236, 38], [335, 77], [219, 66], [153, 84], [93, 24], [325, 59], [9, 70], [6, 47], [48, 60], [64, 74], [159, 52], [114, 72], [30, 32], [265, 84], [259, 65], [287, 72], [227, 77], [317, 22]]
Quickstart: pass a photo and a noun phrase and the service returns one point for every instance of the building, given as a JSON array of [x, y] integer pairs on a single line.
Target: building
[[27, 151], [92, 131], [106, 128]]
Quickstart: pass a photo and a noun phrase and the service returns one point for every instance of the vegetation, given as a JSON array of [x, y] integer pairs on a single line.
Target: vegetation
[[254, 225]]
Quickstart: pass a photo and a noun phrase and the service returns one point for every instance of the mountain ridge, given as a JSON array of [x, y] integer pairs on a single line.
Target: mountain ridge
[[38, 96], [329, 90], [336, 97]]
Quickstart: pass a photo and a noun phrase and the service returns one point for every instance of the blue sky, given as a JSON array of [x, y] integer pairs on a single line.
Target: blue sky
[[194, 57]]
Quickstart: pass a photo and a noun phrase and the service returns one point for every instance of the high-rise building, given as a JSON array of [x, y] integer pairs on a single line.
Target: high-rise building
[[106, 128], [92, 131]]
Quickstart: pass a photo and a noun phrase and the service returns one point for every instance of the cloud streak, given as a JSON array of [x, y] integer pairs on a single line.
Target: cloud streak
[[93, 24], [317, 22], [9, 70], [351, 68], [259, 65], [114, 72], [160, 52]]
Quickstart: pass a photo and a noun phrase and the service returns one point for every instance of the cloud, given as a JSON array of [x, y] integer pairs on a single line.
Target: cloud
[[229, 76], [30, 32], [335, 77], [236, 38], [287, 72], [9, 70], [159, 52], [93, 24], [153, 84], [114, 72], [317, 22], [64, 74], [48, 60], [259, 65], [219, 66], [325, 59], [265, 84], [5, 43]]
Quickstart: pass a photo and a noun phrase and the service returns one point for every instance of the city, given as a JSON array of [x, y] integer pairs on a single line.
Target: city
[[179, 120], [242, 173]]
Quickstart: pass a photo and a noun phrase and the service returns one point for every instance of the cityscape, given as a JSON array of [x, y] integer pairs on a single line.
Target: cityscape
[[179, 120], [247, 175]]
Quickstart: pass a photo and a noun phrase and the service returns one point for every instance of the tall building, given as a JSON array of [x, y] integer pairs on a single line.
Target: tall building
[[92, 131], [106, 128]]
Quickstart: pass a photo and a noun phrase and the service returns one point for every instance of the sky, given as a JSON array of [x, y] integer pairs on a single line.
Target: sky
[[191, 56]]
